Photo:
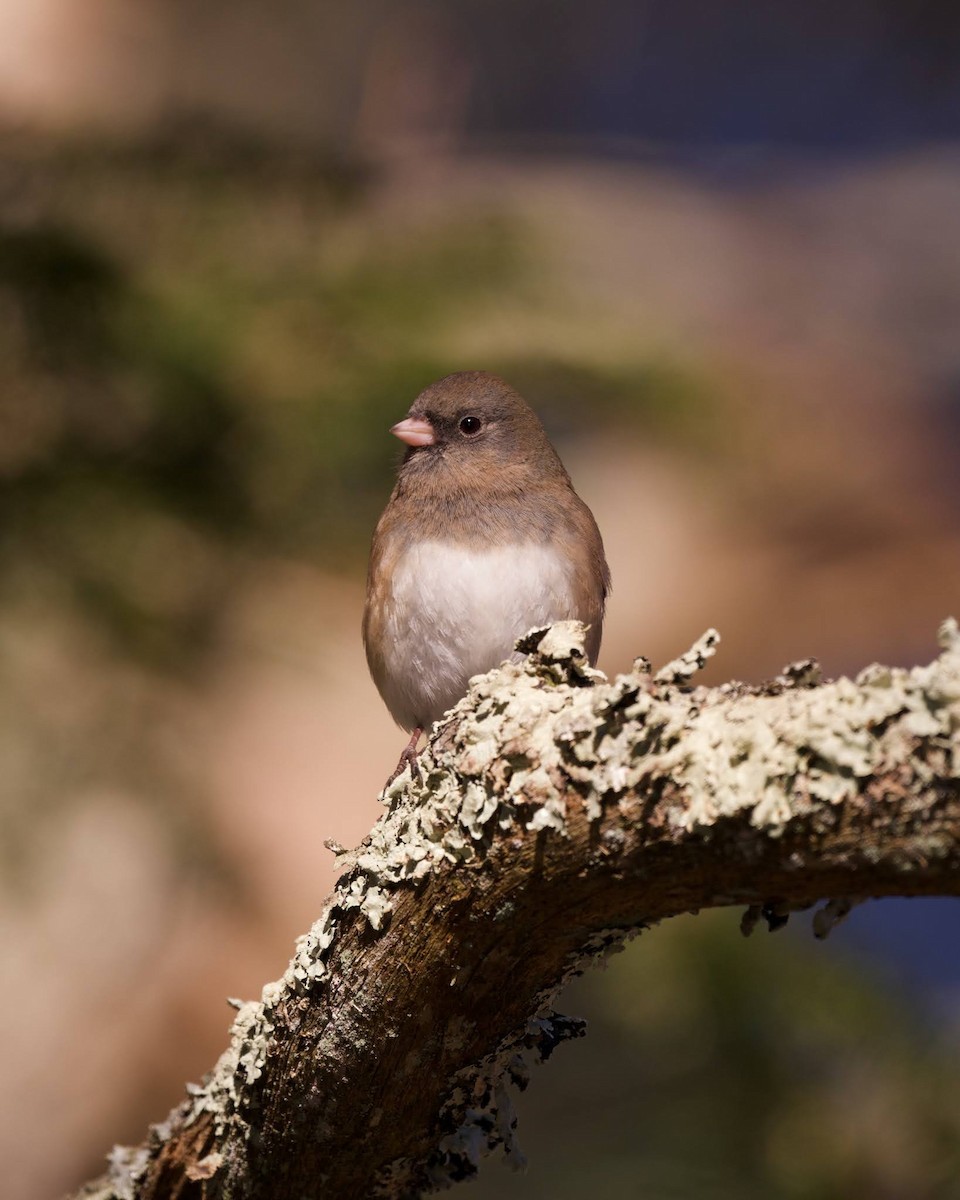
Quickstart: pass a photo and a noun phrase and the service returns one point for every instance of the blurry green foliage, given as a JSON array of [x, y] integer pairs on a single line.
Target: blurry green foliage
[[655, 397], [717, 1068], [204, 341]]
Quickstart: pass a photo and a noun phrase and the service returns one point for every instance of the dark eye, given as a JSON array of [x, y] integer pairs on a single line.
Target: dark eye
[[470, 425]]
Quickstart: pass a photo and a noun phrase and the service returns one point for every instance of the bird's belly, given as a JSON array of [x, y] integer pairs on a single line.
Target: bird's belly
[[452, 613]]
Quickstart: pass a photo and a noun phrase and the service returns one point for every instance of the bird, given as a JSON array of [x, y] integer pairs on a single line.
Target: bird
[[482, 539]]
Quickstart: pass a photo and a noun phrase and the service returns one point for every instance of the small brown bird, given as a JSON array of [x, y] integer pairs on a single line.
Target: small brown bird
[[483, 539]]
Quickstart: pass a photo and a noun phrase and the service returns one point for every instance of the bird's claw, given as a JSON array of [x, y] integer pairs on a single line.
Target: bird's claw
[[408, 759]]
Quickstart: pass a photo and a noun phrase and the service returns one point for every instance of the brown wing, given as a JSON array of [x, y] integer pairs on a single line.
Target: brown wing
[[592, 576]]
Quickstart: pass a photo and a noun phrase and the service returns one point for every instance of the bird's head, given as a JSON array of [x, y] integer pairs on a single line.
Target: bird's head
[[472, 428]]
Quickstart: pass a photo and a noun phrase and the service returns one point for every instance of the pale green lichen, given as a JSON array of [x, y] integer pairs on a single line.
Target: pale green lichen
[[126, 1167], [440, 821], [725, 753], [682, 669], [551, 718], [507, 758]]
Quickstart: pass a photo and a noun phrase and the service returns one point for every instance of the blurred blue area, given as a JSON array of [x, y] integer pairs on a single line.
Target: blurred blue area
[[921, 936], [864, 75]]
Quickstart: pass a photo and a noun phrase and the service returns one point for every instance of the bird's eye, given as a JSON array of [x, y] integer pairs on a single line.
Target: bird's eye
[[470, 425]]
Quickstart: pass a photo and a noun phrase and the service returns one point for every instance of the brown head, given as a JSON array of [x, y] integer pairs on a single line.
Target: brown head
[[472, 431]]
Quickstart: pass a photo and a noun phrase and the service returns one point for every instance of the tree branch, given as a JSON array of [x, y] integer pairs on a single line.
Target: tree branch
[[558, 814]]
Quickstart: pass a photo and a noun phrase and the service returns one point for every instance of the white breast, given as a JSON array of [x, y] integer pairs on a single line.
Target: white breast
[[453, 613]]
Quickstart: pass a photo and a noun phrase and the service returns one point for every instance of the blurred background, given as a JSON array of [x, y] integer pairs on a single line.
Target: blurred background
[[718, 247]]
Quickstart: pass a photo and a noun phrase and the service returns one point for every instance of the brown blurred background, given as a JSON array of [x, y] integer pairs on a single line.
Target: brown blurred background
[[718, 247]]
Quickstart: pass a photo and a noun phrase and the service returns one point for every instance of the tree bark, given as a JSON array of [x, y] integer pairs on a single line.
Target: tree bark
[[558, 814]]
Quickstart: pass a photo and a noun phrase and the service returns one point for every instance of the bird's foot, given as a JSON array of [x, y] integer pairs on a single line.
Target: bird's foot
[[408, 759]]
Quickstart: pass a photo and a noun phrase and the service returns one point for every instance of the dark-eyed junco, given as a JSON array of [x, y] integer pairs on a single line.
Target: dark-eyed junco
[[483, 539]]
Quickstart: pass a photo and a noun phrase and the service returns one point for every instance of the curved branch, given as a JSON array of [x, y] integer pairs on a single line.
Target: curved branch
[[558, 813]]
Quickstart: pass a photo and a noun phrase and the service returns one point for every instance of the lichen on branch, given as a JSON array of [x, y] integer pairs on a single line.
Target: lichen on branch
[[558, 813]]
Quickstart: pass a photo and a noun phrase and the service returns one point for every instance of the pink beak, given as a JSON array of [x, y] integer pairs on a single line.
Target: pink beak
[[415, 431]]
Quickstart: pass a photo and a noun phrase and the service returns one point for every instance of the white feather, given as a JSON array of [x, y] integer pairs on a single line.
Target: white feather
[[454, 613]]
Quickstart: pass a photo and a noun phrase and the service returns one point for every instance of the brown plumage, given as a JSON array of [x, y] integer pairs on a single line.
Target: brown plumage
[[482, 539]]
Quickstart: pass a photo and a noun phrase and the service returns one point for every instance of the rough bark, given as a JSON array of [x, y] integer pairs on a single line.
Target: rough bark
[[558, 814]]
